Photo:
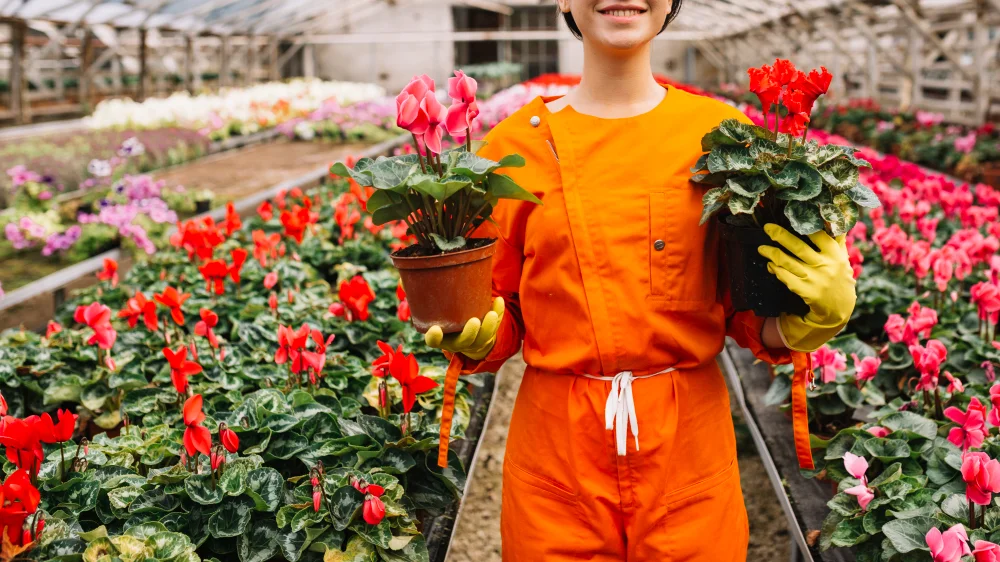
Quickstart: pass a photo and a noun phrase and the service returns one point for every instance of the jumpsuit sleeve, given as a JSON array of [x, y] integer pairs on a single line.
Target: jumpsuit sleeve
[[745, 327], [510, 217]]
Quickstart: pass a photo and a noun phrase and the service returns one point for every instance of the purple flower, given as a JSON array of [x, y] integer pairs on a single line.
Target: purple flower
[[131, 147], [62, 241]]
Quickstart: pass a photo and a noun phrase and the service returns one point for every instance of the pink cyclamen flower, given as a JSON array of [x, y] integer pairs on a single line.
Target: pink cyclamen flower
[[878, 431], [865, 369], [830, 362], [986, 551], [928, 359], [270, 280], [436, 116], [463, 110], [857, 466], [955, 385], [895, 328], [965, 144], [949, 546], [994, 415], [982, 477], [409, 115], [971, 430]]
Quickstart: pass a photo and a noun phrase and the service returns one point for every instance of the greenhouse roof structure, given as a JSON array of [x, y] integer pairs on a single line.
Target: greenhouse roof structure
[[701, 19]]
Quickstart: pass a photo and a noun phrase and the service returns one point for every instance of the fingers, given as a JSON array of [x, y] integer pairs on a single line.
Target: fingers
[[794, 284], [824, 242], [498, 306], [474, 335], [433, 337], [783, 260], [793, 243], [491, 322], [463, 339]]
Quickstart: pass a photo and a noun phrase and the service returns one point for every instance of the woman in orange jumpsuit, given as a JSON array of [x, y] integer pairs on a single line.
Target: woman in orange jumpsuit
[[621, 446]]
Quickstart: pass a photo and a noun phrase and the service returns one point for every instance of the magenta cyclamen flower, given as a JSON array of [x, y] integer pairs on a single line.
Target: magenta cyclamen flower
[[982, 477], [830, 362], [986, 551], [865, 369], [949, 546], [971, 430]]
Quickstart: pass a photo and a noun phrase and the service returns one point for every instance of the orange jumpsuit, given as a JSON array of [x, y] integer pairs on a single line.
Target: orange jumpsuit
[[613, 273]]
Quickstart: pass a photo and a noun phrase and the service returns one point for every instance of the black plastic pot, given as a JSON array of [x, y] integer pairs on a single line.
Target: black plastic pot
[[751, 285], [202, 206]]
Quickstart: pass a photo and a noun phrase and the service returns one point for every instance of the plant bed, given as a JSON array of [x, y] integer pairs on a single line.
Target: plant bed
[[804, 500], [327, 443]]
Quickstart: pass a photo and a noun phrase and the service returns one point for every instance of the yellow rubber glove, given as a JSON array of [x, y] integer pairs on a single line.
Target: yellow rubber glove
[[475, 340], [823, 279]]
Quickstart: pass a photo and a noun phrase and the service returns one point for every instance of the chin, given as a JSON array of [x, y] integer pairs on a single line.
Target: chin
[[624, 41]]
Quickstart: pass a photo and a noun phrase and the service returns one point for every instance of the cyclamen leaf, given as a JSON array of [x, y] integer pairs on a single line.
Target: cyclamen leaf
[[808, 183], [730, 159], [908, 535], [500, 186], [700, 164], [259, 543], [739, 204], [842, 215], [863, 196], [360, 173], [804, 217], [840, 175], [748, 186], [391, 173], [713, 200]]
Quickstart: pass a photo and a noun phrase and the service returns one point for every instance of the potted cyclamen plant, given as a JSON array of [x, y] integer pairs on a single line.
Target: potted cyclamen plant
[[772, 174], [443, 195]]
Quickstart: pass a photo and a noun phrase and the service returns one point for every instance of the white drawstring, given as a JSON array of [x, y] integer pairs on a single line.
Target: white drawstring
[[620, 404]]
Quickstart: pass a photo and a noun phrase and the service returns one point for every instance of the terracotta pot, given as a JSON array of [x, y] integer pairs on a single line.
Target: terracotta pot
[[991, 173], [448, 289]]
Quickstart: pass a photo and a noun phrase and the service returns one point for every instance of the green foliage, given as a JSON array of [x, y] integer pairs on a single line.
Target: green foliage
[[754, 174], [136, 499]]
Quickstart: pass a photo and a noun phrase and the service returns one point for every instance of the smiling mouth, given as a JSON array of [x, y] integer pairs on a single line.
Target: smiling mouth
[[622, 12]]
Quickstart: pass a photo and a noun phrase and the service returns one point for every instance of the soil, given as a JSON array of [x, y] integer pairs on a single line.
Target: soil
[[477, 531], [236, 174], [415, 251]]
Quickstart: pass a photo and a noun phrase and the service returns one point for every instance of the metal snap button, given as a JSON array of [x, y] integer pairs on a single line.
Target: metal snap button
[[535, 121], [659, 245]]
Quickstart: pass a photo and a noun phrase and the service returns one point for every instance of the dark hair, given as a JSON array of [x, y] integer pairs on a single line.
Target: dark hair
[[675, 9]]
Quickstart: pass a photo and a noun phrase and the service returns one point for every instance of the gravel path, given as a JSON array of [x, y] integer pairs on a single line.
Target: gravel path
[[477, 532]]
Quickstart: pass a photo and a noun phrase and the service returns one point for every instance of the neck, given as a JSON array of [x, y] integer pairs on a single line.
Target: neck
[[620, 78]]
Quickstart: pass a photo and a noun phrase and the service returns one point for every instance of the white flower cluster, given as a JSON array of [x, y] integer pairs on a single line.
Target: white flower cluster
[[263, 105]]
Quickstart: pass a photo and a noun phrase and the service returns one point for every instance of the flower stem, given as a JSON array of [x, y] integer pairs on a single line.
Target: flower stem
[[972, 515], [62, 463], [419, 157]]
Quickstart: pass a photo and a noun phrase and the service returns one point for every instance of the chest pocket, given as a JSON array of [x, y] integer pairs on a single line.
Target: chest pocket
[[682, 255]]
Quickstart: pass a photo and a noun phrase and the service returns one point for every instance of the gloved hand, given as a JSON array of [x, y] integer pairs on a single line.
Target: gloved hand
[[474, 341], [823, 279]]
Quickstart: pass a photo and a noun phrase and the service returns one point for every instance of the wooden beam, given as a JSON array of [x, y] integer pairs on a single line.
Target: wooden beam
[[86, 70], [188, 64], [250, 75], [143, 65], [309, 61], [921, 26], [224, 54], [18, 85], [273, 65]]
